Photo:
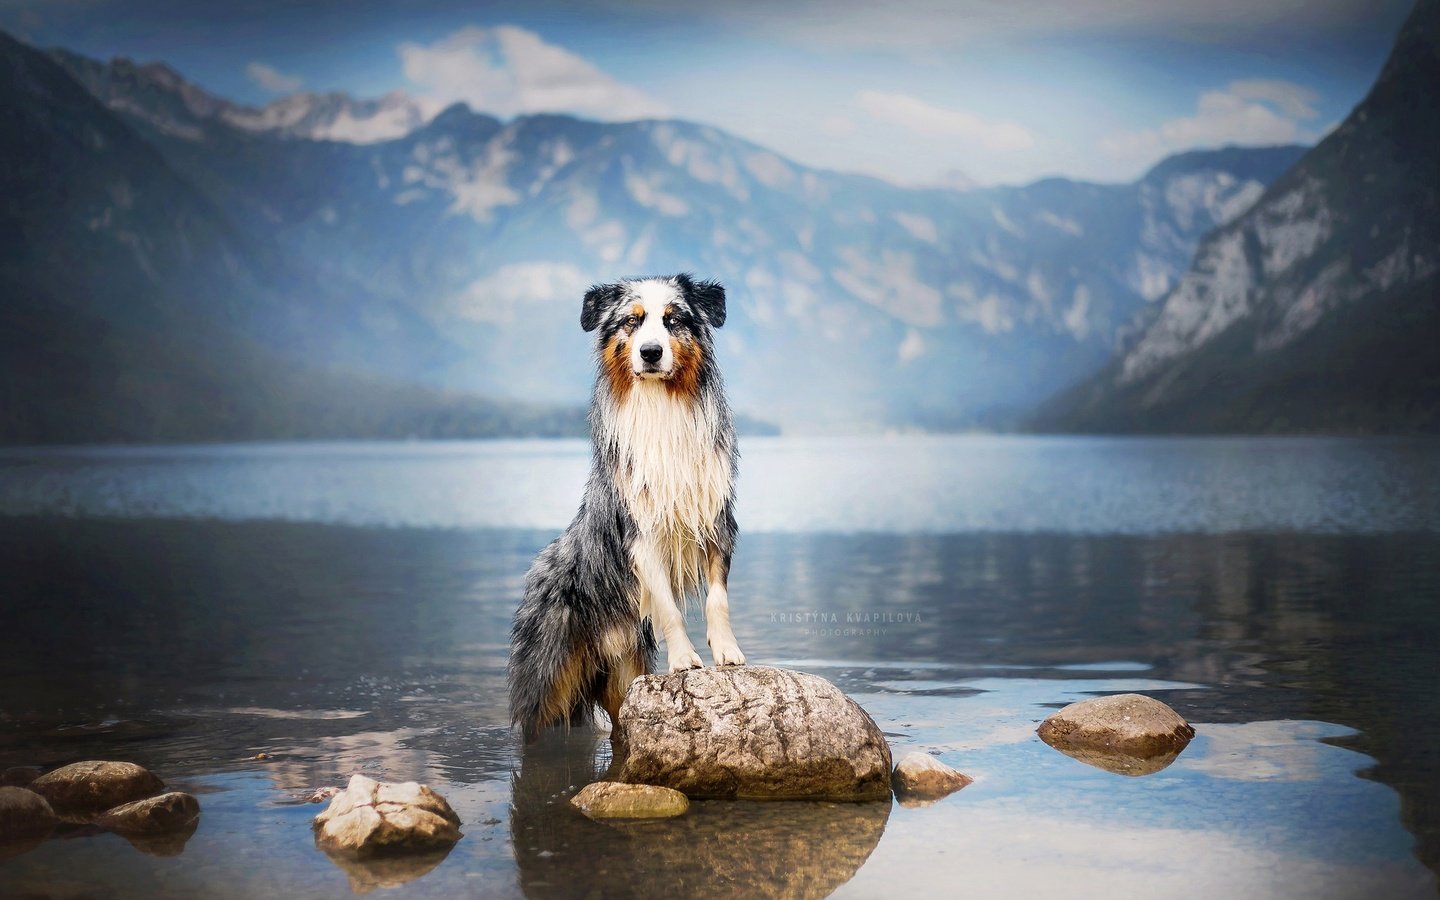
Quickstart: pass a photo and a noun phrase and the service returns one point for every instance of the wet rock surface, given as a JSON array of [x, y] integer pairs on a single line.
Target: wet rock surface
[[96, 785], [24, 815], [1124, 725], [751, 732], [922, 777], [168, 812], [613, 800], [371, 817]]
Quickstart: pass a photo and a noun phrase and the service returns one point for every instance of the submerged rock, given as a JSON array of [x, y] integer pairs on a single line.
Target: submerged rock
[[922, 777], [24, 815], [96, 785], [751, 732], [1123, 725], [371, 816], [610, 799], [153, 815]]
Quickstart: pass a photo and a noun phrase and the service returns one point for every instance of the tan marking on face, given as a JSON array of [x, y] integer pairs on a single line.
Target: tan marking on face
[[616, 363], [638, 310], [684, 380]]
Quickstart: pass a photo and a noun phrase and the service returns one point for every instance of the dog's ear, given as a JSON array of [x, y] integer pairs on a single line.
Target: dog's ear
[[598, 299], [706, 296]]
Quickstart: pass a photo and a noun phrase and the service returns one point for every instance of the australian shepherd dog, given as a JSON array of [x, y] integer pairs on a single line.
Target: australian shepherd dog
[[657, 519]]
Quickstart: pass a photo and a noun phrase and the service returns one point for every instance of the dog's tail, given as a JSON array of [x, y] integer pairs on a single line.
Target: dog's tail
[[567, 655]]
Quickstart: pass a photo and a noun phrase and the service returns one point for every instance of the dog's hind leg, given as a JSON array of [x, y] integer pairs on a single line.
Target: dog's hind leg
[[617, 682], [723, 648]]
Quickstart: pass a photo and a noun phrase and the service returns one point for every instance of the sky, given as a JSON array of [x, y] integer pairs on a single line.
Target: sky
[[913, 91]]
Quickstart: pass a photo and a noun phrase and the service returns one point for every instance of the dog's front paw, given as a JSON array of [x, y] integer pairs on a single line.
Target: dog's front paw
[[685, 659], [726, 652]]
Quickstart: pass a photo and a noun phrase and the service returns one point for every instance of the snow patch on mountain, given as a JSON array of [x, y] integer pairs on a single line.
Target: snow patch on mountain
[[890, 285], [513, 290], [919, 227]]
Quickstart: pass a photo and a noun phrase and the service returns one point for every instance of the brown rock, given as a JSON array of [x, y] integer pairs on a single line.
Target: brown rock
[[751, 732], [19, 776], [154, 815], [24, 815], [370, 817], [1130, 725], [96, 785], [612, 800], [920, 777]]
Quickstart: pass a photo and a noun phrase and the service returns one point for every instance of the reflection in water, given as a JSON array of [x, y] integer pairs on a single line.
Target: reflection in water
[[190, 647], [169, 843], [373, 872], [1120, 763], [717, 849]]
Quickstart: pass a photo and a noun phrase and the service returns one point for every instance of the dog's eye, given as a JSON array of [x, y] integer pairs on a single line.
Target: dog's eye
[[632, 321]]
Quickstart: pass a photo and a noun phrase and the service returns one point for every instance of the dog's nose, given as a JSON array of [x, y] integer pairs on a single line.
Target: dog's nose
[[651, 352]]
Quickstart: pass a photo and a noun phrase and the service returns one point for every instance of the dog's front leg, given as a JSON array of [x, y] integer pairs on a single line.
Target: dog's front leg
[[655, 584], [723, 647]]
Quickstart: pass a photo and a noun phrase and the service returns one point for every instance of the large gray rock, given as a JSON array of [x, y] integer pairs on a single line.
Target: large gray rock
[[371, 817], [1123, 725], [96, 785], [153, 815], [751, 732], [24, 815], [613, 800]]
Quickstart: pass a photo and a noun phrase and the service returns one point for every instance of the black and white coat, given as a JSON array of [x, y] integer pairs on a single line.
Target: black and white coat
[[657, 519]]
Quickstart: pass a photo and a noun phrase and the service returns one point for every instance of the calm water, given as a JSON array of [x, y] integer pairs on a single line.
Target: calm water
[[345, 608]]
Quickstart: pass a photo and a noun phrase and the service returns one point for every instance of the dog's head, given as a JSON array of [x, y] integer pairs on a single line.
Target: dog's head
[[654, 329]]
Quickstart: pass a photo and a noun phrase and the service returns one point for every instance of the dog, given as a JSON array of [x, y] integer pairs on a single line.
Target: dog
[[657, 518]]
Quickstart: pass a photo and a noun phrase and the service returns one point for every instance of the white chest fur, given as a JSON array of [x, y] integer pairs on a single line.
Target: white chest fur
[[672, 474]]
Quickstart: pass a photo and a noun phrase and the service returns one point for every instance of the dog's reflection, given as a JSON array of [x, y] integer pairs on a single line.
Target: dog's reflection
[[719, 848]]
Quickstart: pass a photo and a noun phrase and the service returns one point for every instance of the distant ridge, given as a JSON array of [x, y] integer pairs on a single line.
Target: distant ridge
[[1318, 310]]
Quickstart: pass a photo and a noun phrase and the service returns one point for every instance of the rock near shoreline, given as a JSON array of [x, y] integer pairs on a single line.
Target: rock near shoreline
[[749, 732]]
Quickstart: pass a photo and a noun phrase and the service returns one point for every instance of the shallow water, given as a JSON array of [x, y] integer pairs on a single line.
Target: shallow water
[[1304, 653]]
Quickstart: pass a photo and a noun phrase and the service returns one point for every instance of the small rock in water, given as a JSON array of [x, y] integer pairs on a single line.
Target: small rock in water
[[24, 815], [154, 815], [1131, 725], [921, 777], [19, 776], [319, 795], [612, 800], [96, 785], [750, 732], [371, 816]]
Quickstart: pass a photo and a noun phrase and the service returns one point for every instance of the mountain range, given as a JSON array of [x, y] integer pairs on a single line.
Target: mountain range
[[1319, 308], [191, 266]]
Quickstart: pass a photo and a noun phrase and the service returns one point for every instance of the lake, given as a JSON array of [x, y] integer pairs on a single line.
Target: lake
[[345, 608]]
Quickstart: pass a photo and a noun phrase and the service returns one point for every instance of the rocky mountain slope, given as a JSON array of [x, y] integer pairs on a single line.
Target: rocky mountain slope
[[133, 308], [1319, 308], [853, 301]]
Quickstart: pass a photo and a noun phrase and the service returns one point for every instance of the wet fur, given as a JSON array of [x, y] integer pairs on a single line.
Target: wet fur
[[659, 505]]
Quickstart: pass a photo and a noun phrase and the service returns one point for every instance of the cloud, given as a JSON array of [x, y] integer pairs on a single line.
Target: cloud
[[272, 79], [914, 24], [1290, 98], [1252, 112], [508, 71], [938, 121]]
